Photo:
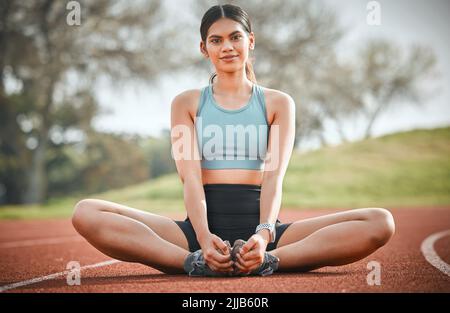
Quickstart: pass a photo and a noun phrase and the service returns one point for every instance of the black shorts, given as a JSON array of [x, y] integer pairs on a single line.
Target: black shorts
[[232, 212]]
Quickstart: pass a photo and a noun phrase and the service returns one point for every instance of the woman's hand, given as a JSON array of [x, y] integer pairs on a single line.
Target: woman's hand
[[216, 253], [251, 255]]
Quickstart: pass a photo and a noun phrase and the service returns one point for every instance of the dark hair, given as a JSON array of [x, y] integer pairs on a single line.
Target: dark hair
[[232, 12]]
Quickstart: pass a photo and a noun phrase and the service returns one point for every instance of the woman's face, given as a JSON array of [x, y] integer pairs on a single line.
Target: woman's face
[[227, 37]]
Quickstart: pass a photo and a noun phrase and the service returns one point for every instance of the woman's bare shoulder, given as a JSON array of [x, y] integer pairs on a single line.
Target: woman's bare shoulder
[[187, 100], [274, 100], [274, 95]]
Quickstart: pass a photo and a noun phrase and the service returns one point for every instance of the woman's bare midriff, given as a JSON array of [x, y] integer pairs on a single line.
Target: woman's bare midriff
[[232, 176]]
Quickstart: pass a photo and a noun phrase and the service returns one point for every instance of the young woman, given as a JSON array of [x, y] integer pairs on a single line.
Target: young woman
[[232, 192]]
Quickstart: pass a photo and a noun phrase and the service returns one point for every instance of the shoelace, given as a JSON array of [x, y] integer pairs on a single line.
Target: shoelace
[[198, 263]]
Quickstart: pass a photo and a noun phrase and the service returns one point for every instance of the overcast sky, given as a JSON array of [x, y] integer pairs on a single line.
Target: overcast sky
[[144, 111]]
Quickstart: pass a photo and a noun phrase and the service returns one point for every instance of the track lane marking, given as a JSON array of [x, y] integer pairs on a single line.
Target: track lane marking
[[53, 276], [430, 254]]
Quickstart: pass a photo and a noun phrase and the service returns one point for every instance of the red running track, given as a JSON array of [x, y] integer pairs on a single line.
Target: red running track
[[36, 248]]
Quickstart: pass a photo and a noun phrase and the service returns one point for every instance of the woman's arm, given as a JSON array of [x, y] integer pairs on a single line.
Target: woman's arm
[[281, 137], [187, 160]]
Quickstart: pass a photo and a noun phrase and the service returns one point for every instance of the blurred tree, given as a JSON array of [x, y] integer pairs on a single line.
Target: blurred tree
[[388, 74], [157, 150], [14, 155], [380, 75], [109, 161], [53, 63], [335, 94]]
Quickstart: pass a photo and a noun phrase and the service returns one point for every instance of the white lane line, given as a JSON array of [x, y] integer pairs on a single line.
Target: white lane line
[[430, 254], [36, 242], [53, 276]]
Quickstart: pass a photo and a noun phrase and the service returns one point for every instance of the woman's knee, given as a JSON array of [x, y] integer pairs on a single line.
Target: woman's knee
[[83, 216], [382, 225]]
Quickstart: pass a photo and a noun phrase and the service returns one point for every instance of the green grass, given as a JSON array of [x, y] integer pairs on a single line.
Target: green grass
[[398, 170], [403, 169]]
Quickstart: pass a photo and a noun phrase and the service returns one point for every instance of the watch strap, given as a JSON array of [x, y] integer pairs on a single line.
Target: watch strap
[[270, 227]]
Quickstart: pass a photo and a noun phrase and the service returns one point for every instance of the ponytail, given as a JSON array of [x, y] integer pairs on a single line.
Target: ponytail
[[249, 71]]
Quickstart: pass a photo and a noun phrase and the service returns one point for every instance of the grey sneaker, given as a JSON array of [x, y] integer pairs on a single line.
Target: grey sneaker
[[269, 265], [238, 243], [195, 265]]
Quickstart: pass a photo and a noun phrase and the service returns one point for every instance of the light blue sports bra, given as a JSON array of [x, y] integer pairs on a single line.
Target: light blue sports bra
[[230, 139]]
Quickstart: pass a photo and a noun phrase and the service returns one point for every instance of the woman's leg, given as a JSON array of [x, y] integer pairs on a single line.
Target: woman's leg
[[334, 239], [131, 235]]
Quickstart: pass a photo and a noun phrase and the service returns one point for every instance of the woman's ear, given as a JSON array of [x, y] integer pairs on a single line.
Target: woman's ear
[[203, 49], [251, 38]]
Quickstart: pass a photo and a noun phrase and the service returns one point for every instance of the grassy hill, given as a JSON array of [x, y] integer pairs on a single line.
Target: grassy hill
[[402, 170]]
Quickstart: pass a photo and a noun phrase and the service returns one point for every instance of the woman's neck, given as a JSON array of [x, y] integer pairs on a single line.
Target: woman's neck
[[232, 86]]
